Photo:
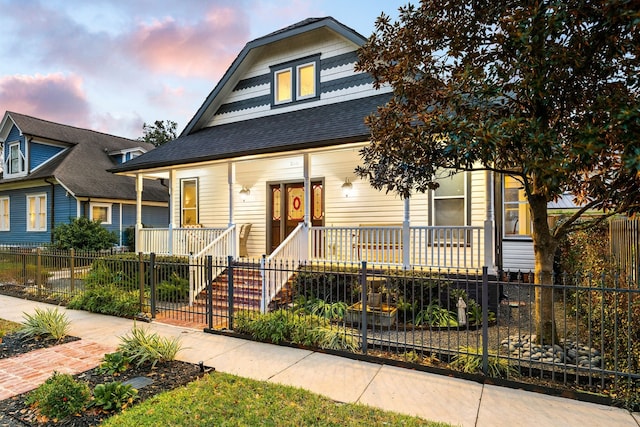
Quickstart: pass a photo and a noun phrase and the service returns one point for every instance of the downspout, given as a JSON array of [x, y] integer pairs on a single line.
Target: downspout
[[53, 208]]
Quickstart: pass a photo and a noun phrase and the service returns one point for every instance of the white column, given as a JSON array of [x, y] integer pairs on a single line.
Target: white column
[[231, 177], [173, 201], [139, 188], [406, 236], [307, 190], [489, 225]]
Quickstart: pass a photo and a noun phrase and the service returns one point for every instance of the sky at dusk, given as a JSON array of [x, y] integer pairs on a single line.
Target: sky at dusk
[[110, 65]]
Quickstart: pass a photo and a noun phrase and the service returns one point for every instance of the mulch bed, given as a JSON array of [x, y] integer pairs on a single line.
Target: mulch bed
[[165, 376], [12, 345]]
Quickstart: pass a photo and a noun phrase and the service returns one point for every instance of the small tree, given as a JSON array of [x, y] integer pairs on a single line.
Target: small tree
[[160, 132], [83, 234], [544, 92]]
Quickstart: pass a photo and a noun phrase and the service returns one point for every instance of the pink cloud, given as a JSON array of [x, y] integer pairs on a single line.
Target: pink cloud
[[52, 97], [204, 49]]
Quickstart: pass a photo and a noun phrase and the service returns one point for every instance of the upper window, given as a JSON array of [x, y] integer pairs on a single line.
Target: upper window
[[189, 202], [15, 160], [101, 212], [516, 214], [37, 212], [4, 214], [295, 81]]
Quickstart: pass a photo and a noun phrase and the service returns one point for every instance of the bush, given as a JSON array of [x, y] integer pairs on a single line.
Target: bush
[[113, 364], [107, 299], [84, 234], [47, 324], [114, 396], [142, 347], [469, 360], [176, 289], [60, 396], [434, 315]]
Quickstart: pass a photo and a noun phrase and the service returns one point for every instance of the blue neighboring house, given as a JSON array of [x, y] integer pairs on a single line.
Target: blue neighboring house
[[52, 172]]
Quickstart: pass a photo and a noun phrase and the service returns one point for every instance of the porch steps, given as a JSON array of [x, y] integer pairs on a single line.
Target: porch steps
[[247, 286]]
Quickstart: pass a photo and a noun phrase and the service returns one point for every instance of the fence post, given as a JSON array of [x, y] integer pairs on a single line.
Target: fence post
[[485, 320], [363, 323], [263, 276], [230, 290], [141, 279], [152, 281], [209, 276], [72, 272], [38, 270]]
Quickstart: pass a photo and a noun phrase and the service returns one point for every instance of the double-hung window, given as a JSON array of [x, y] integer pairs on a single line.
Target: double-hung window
[[189, 201], [37, 212], [5, 218], [15, 161], [296, 81], [450, 208], [516, 214]]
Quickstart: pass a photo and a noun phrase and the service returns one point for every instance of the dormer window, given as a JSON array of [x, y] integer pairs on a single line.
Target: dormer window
[[295, 81], [15, 162]]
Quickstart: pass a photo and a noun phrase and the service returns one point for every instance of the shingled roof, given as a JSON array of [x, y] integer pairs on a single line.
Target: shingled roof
[[83, 167], [320, 126]]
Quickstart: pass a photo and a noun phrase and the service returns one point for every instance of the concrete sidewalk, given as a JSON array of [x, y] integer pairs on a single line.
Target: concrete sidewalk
[[430, 396]]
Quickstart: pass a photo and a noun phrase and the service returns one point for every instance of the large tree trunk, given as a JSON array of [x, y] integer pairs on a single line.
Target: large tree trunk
[[544, 248]]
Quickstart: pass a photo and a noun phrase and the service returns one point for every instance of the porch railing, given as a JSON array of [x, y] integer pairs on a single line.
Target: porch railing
[[176, 241], [441, 246], [277, 268], [221, 247]]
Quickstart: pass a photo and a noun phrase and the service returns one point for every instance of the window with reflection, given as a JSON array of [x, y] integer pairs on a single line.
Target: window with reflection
[[516, 214], [189, 201]]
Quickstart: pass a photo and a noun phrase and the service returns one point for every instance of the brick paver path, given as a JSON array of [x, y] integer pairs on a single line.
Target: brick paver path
[[27, 371]]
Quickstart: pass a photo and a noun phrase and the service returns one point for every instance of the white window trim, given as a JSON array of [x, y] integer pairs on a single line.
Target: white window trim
[[101, 205], [315, 89], [22, 159], [197, 206], [37, 197], [504, 216], [276, 88], [464, 196], [3, 214]]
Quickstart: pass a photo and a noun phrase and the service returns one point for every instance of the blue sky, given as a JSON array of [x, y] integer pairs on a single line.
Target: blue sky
[[112, 65]]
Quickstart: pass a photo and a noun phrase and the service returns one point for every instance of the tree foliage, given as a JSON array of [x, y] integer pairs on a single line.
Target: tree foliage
[[160, 132], [543, 91], [84, 234]]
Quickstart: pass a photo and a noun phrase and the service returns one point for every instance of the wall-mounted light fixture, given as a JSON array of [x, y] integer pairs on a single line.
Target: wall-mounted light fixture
[[244, 193], [347, 187]]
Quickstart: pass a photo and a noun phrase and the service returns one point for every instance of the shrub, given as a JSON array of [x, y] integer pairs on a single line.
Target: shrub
[[60, 396], [82, 233], [318, 307], [107, 299], [469, 360], [142, 347], [434, 315], [113, 396], [113, 364], [176, 289], [49, 323]]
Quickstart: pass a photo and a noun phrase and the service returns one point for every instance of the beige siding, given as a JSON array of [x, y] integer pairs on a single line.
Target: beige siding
[[517, 255]]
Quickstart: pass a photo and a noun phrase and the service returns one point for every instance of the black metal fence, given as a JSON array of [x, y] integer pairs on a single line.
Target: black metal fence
[[470, 321]]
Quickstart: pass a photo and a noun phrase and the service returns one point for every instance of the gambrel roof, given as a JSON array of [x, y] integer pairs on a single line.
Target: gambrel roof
[[83, 166]]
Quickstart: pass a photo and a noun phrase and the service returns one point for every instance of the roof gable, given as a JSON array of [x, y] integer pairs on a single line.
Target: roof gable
[[250, 50]]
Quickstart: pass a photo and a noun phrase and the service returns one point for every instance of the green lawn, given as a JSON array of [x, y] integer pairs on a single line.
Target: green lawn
[[225, 400]]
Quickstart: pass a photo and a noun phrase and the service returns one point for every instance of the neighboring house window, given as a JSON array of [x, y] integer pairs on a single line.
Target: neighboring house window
[[450, 208], [517, 217], [295, 81], [37, 212], [189, 202], [15, 161], [4, 214], [101, 212]]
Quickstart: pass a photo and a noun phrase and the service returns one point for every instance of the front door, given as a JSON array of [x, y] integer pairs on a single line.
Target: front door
[[287, 209]]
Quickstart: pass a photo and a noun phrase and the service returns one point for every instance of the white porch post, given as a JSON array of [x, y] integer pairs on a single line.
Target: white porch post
[[231, 178], [307, 202], [489, 225], [172, 210], [406, 238], [139, 185]]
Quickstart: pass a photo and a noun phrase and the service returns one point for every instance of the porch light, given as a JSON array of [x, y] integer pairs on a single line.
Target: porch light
[[244, 193], [347, 187]]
